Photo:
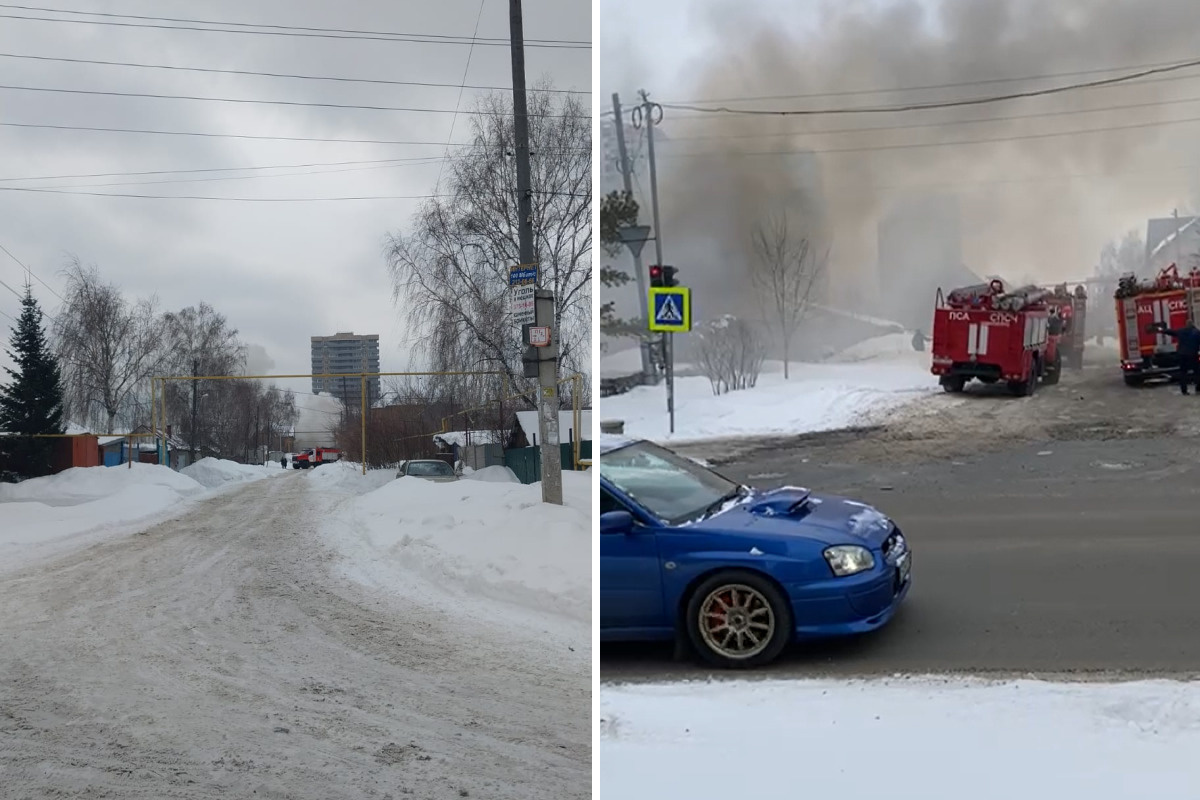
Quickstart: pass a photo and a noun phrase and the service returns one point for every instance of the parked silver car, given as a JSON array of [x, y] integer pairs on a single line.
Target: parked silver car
[[428, 469]]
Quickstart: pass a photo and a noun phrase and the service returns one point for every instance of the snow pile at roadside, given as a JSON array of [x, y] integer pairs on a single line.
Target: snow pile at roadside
[[41, 515], [817, 397], [347, 476], [496, 473], [928, 738], [213, 473], [491, 546]]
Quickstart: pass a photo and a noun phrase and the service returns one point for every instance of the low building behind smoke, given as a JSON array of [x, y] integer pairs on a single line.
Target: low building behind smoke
[[1162, 249], [920, 251]]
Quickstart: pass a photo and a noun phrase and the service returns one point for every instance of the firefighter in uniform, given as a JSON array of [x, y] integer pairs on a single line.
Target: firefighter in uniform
[[1187, 345]]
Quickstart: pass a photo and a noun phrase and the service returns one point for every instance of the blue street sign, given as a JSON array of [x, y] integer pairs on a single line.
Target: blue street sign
[[522, 274], [671, 309]]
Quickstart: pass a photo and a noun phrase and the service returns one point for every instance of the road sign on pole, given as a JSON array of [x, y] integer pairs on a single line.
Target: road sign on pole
[[671, 309], [521, 304], [523, 275]]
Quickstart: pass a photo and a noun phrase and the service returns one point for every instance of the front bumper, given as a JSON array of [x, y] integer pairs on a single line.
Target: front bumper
[[858, 604]]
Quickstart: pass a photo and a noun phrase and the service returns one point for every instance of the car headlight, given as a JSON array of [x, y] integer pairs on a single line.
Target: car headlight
[[849, 559]]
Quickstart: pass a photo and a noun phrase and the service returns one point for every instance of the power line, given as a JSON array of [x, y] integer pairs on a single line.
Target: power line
[[30, 271], [279, 30], [215, 169], [22, 297], [457, 103], [213, 70], [255, 101], [492, 39], [245, 177], [150, 132], [928, 87], [934, 105], [1015, 138], [253, 199], [923, 125]]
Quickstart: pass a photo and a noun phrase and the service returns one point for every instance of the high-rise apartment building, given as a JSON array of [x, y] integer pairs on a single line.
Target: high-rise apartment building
[[346, 353]]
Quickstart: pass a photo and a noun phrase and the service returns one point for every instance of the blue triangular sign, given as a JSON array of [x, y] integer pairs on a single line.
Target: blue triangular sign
[[668, 312]]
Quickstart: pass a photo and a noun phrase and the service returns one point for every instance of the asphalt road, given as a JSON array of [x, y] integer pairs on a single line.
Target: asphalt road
[[1056, 536]]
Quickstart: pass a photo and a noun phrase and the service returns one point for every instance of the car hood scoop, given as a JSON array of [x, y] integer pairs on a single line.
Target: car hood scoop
[[790, 501]]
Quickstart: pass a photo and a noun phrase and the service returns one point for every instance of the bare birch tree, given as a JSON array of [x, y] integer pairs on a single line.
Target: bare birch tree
[[450, 268], [108, 346], [783, 275], [200, 342]]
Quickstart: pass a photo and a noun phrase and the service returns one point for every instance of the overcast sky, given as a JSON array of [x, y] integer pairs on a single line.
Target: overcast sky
[[1041, 183], [280, 272]]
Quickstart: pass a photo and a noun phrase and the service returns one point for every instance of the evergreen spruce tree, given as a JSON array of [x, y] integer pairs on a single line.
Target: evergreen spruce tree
[[31, 402]]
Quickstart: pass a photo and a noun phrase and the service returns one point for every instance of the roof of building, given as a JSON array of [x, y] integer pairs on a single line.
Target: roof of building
[[1161, 231], [464, 438]]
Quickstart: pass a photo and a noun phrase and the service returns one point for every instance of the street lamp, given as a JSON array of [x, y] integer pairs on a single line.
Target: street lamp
[[635, 237]]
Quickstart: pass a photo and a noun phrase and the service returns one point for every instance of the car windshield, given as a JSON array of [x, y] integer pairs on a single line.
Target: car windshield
[[672, 488], [429, 468]]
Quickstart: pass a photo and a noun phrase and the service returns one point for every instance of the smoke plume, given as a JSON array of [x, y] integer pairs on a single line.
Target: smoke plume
[[1038, 208]]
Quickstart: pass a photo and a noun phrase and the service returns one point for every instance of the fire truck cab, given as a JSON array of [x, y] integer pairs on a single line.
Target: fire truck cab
[[990, 334], [1168, 299]]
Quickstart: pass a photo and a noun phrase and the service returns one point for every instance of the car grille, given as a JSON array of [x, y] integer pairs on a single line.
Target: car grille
[[894, 544]]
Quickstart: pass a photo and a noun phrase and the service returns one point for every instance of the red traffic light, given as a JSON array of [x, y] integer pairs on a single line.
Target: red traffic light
[[656, 276]]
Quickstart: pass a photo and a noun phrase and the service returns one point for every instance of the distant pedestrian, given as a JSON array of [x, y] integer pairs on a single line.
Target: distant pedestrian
[[283, 462], [1187, 345], [918, 341]]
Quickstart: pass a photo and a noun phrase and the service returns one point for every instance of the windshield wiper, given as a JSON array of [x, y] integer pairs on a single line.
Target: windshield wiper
[[716, 506]]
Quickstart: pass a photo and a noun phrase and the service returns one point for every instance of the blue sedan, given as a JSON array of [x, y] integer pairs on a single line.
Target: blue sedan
[[740, 573]]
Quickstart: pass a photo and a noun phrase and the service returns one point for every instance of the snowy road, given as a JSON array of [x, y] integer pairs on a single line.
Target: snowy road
[[219, 656], [1052, 535]]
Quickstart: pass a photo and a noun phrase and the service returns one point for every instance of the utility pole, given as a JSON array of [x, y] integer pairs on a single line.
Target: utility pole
[[638, 270], [1178, 248], [195, 408], [544, 305], [647, 111]]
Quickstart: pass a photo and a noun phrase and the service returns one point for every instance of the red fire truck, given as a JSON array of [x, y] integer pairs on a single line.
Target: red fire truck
[[1169, 298], [315, 457], [1072, 310], [992, 334]]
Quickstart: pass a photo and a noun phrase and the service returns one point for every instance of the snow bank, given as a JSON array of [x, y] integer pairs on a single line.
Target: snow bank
[[928, 738], [347, 476], [44, 515], [497, 473], [476, 540], [213, 473], [817, 397]]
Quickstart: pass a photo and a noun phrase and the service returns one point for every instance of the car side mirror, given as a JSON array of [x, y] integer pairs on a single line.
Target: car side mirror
[[616, 522]]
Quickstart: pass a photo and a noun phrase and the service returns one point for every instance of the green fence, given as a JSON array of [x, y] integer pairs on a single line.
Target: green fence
[[526, 462]]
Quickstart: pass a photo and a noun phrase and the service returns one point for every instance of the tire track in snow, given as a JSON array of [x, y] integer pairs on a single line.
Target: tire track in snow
[[217, 655]]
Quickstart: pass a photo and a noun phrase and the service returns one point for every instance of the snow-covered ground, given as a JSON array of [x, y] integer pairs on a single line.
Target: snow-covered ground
[[490, 547], [321, 634], [904, 738], [858, 386], [81, 506]]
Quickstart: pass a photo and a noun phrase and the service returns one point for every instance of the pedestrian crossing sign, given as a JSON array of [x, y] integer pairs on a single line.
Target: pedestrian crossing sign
[[671, 309]]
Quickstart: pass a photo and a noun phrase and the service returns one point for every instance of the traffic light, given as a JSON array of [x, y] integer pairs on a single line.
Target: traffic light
[[663, 276]]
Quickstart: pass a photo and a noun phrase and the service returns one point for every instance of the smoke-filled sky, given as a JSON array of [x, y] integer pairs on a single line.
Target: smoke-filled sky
[[280, 271], [1039, 196]]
